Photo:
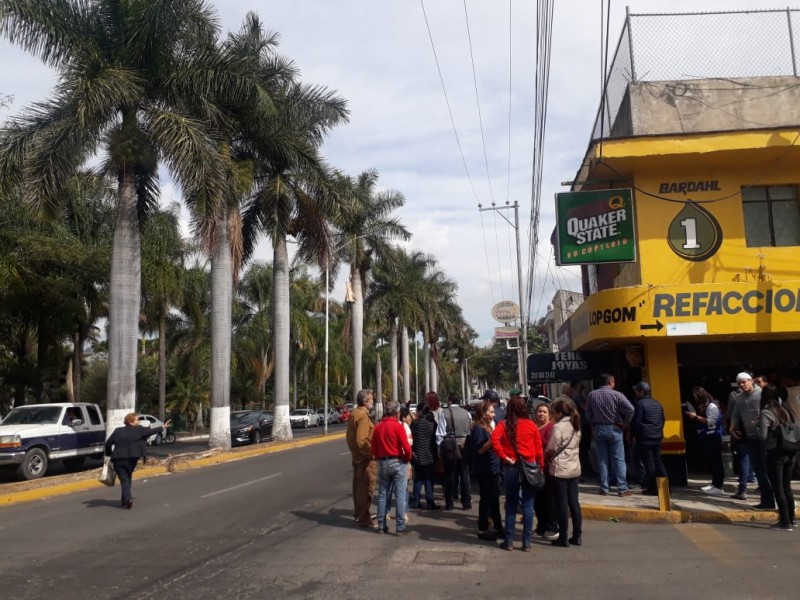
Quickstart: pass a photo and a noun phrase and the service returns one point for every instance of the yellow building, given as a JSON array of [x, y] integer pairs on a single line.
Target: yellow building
[[714, 169]]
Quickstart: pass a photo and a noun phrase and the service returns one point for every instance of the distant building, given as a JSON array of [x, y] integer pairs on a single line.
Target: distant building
[[560, 309]]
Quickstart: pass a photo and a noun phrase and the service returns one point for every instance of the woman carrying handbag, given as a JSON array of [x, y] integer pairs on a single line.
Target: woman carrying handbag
[[125, 446], [564, 466], [516, 440]]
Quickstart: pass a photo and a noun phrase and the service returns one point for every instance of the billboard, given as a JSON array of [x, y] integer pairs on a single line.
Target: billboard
[[567, 366], [595, 227]]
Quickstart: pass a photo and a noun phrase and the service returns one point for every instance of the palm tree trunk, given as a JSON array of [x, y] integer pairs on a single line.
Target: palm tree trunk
[[357, 329], [406, 362], [77, 361], [124, 297], [378, 388], [393, 348], [162, 367], [294, 383], [221, 302], [427, 361], [281, 426], [434, 375]]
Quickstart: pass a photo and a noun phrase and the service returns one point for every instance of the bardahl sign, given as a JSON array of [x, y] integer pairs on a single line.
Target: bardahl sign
[[567, 366]]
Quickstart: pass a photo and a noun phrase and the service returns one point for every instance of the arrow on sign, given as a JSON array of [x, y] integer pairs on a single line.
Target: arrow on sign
[[658, 326]]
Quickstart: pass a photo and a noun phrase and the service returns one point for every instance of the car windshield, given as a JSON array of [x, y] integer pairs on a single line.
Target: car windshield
[[29, 415], [244, 417], [301, 412]]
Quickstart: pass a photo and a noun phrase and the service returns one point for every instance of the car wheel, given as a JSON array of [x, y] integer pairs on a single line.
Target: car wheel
[[34, 465], [257, 437], [305, 424]]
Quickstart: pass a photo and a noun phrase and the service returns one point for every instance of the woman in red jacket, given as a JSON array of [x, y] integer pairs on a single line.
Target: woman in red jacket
[[517, 436]]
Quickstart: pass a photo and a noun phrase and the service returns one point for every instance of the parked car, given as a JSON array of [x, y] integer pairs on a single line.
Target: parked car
[[344, 414], [305, 417], [333, 415], [250, 427], [151, 421]]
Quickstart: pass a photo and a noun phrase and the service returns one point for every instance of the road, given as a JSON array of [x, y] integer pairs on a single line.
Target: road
[[280, 526], [8, 475]]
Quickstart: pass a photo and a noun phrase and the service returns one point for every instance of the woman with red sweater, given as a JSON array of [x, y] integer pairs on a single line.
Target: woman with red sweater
[[517, 437]]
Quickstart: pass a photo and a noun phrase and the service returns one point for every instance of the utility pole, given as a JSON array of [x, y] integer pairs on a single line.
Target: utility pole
[[522, 349]]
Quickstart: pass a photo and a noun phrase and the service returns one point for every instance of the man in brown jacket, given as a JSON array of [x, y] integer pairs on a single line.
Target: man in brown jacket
[[359, 440]]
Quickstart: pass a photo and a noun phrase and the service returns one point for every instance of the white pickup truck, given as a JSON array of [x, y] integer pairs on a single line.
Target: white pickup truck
[[33, 436]]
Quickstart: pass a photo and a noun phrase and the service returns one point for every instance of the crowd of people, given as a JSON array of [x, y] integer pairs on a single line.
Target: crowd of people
[[446, 445], [411, 451], [755, 417]]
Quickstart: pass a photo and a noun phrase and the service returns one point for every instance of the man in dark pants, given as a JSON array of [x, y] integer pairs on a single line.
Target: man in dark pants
[[459, 423], [586, 429], [365, 471], [647, 427]]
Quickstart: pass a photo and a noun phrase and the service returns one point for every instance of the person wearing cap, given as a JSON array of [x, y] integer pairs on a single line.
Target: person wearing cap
[[744, 427], [647, 427]]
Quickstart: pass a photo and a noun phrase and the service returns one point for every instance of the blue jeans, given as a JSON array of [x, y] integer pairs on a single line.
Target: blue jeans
[[611, 454], [392, 477], [514, 494], [743, 455]]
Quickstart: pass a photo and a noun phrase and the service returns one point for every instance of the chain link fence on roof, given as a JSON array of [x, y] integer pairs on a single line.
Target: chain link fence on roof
[[713, 45]]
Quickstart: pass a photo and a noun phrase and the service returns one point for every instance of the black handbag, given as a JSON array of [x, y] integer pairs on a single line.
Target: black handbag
[[449, 445], [530, 473]]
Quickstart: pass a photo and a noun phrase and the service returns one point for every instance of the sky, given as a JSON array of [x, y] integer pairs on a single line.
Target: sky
[[377, 54]]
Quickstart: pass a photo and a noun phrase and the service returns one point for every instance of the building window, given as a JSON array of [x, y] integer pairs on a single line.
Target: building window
[[771, 216]]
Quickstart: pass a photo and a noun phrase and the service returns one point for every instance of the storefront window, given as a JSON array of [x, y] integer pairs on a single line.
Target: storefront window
[[771, 215]]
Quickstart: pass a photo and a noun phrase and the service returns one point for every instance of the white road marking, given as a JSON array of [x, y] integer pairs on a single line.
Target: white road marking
[[241, 485]]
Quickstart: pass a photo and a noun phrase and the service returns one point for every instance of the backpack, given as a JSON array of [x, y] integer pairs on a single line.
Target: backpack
[[788, 436]]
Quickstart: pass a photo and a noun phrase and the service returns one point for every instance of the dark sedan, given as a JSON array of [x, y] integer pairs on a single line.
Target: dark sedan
[[250, 426]]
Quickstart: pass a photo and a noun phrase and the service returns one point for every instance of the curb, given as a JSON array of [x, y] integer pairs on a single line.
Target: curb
[[62, 489], [623, 514]]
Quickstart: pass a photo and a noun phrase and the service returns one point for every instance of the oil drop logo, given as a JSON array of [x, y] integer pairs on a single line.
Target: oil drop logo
[[694, 233]]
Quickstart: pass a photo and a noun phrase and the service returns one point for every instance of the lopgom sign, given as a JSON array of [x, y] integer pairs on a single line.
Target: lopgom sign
[[595, 227]]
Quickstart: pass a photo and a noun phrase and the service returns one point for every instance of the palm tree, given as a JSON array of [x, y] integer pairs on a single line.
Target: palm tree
[[399, 296], [125, 70], [365, 227], [254, 330], [163, 254]]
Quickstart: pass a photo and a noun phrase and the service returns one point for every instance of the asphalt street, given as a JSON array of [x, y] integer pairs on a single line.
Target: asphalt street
[[280, 526]]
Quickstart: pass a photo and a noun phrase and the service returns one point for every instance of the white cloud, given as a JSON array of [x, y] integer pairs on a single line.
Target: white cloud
[[378, 56]]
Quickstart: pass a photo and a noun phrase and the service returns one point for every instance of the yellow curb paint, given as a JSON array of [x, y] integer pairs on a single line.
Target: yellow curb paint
[[62, 489]]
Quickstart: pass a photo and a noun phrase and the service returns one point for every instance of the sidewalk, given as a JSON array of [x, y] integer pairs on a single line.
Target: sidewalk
[[689, 504]]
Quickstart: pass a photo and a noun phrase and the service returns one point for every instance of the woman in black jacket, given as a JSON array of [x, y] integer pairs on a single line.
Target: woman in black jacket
[[780, 462], [125, 446], [423, 456]]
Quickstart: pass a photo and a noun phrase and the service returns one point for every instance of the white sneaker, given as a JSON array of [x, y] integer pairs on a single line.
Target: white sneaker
[[706, 488], [714, 491]]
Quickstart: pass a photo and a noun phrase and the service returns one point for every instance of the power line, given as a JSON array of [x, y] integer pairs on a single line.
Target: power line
[[499, 264], [447, 100], [478, 102], [508, 174], [488, 267]]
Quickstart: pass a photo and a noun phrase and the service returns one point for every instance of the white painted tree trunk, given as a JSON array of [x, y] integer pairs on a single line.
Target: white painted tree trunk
[[221, 301], [378, 388], [357, 328], [393, 349], [427, 361], [406, 365], [281, 425], [125, 291], [434, 376]]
